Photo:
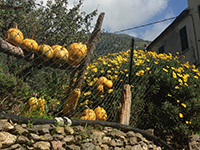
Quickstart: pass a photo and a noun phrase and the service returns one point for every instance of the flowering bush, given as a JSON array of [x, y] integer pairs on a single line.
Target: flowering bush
[[165, 92]]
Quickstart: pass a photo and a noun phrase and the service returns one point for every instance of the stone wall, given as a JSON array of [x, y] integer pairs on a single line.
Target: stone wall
[[51, 137]]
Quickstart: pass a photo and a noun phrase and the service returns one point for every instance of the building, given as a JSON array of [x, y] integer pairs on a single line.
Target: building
[[182, 35]]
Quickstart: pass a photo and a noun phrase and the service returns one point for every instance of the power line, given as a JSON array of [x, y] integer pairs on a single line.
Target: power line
[[144, 25]]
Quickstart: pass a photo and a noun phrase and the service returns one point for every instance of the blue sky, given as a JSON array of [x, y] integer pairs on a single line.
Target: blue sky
[[123, 14]]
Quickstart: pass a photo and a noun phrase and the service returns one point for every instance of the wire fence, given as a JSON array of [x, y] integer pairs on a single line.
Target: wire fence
[[70, 83]]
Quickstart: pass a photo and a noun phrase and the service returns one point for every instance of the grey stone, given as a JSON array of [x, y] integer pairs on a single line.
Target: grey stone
[[7, 139], [42, 145], [68, 138], [19, 130], [130, 134], [72, 147], [1, 125], [7, 126], [58, 137], [68, 130], [88, 146], [34, 136], [42, 129], [106, 140], [22, 139], [60, 130]]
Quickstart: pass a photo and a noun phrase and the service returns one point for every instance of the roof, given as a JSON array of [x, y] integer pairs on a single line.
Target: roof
[[171, 27]]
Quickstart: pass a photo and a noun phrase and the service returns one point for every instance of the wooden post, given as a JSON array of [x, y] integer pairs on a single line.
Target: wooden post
[[126, 105]]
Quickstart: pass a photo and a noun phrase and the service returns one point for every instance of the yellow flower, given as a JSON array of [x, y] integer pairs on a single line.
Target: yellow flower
[[169, 95], [109, 65], [110, 90], [155, 62], [140, 73], [102, 71], [94, 70], [87, 93], [186, 84], [180, 115], [178, 101], [174, 74], [176, 87], [108, 71], [165, 70], [183, 105], [196, 77]]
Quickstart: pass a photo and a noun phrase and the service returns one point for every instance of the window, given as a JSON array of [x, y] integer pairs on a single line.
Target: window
[[183, 37], [199, 10], [161, 49]]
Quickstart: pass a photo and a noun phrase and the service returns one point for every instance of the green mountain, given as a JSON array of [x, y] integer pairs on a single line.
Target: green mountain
[[112, 43]]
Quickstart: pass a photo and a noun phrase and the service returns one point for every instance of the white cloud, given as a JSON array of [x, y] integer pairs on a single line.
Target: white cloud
[[122, 14]]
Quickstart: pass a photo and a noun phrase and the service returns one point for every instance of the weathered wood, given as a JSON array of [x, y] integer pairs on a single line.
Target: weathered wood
[[90, 47], [126, 105]]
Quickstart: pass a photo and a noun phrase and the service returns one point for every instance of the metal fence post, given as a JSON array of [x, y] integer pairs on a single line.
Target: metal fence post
[[131, 60]]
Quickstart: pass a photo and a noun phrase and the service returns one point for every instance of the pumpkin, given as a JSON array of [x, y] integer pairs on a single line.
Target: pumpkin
[[100, 113], [99, 90], [77, 51], [33, 102], [30, 44], [45, 52], [41, 105], [14, 36], [72, 101], [101, 80], [108, 84], [60, 54], [88, 114]]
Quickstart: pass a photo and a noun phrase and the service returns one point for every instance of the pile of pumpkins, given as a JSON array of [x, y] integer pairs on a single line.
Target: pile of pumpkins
[[57, 53], [35, 104], [98, 113]]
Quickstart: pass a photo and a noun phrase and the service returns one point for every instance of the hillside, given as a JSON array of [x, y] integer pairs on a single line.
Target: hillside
[[111, 43]]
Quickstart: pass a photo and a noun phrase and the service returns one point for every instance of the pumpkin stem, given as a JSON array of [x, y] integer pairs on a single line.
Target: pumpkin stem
[[16, 27], [63, 46], [32, 36]]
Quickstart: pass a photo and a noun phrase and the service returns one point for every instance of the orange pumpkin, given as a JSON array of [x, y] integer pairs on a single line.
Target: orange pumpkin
[[108, 84], [100, 113], [101, 80], [14, 36], [88, 114], [99, 90], [77, 51], [30, 44], [60, 54], [45, 52]]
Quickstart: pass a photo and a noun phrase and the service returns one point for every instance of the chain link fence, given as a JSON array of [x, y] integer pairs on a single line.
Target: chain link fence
[[158, 84]]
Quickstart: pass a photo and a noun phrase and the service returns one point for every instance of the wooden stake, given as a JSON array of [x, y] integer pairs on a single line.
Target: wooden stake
[[126, 105]]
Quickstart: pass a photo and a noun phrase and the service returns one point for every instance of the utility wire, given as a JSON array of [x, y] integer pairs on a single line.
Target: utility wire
[[144, 25]]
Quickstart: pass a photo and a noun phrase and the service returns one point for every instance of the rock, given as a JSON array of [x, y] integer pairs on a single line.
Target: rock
[[133, 140], [16, 147], [8, 126], [18, 130], [68, 139], [104, 147], [42, 129], [78, 129], [116, 133], [34, 136], [22, 139], [1, 125], [68, 130], [41, 145], [58, 137], [106, 140], [195, 137], [130, 134], [7, 139], [56, 144], [72, 147], [88, 146], [46, 137], [60, 130]]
